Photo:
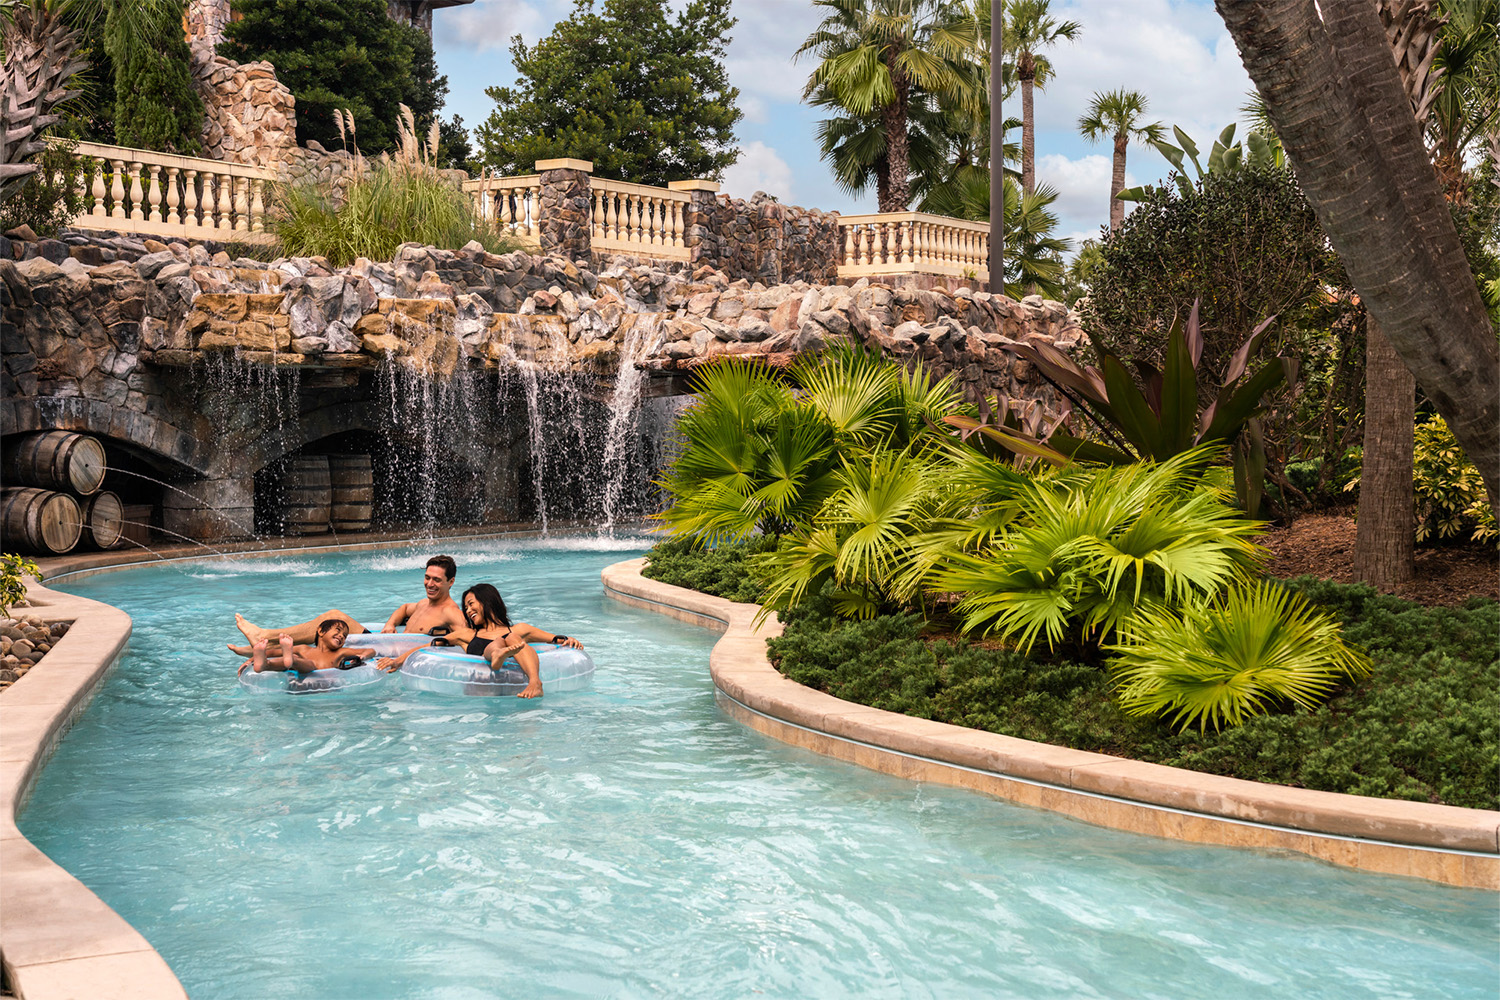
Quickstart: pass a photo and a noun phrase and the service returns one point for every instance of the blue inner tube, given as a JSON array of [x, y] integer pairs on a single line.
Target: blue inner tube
[[363, 678], [447, 670]]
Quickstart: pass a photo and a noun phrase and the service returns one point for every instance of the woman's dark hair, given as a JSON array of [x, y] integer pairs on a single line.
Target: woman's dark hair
[[490, 603]]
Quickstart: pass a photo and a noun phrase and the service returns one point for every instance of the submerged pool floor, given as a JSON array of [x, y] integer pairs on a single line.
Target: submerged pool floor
[[631, 840]]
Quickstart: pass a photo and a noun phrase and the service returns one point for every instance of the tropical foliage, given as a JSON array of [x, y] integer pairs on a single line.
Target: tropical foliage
[[1086, 550], [156, 104], [1264, 153], [1450, 500], [1219, 663], [48, 200], [1033, 256], [637, 87]]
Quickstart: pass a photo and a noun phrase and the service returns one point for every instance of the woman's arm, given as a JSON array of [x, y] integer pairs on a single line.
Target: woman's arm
[[530, 633]]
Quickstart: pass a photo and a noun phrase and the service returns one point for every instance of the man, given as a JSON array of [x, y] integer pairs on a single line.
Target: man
[[437, 610]]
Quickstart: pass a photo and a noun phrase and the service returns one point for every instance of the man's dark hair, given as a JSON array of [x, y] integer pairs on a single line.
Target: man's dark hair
[[446, 564]]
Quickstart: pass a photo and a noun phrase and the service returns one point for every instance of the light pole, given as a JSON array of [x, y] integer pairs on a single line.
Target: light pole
[[997, 151]]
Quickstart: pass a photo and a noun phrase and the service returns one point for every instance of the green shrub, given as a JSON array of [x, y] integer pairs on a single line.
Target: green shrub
[[156, 105], [51, 198], [724, 570], [1425, 725], [12, 590], [1450, 496]]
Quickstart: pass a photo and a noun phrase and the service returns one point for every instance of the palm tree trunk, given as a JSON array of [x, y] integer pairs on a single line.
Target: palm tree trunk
[[1336, 99], [1387, 513], [898, 160], [1028, 138], [1117, 184]]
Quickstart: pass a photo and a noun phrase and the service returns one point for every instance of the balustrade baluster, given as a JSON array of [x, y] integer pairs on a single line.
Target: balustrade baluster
[[506, 214], [864, 244], [534, 209], [190, 197], [678, 211], [242, 203], [224, 202], [257, 205], [137, 196], [848, 245], [98, 191], [658, 230], [598, 214], [153, 193], [982, 255], [173, 200], [117, 191], [637, 234], [905, 255]]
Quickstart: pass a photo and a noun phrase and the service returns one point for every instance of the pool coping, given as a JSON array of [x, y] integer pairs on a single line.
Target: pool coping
[[1447, 844], [58, 940]]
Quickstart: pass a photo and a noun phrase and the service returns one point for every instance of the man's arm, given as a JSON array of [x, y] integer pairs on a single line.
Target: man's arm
[[397, 618]]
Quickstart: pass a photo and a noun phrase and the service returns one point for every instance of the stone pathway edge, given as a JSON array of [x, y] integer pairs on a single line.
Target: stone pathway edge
[[1447, 844]]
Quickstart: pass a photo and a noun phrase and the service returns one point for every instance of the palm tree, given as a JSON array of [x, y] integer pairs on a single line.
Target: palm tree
[[874, 55], [1033, 256], [1118, 114], [41, 58], [1463, 102], [1030, 30], [1336, 98]]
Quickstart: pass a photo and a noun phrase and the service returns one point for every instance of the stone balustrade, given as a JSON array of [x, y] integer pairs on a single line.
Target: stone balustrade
[[639, 221], [164, 195], [511, 204], [894, 243]]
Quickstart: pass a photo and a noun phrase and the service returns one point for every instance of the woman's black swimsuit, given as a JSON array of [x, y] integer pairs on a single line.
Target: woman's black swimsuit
[[477, 646]]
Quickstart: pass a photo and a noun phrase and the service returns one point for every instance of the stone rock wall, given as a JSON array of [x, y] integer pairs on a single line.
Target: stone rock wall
[[766, 241], [250, 117], [108, 331]]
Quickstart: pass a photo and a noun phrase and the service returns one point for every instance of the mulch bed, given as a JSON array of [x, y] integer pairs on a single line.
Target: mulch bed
[[1323, 545]]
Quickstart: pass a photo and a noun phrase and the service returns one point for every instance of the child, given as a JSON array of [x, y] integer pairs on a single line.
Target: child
[[329, 651]]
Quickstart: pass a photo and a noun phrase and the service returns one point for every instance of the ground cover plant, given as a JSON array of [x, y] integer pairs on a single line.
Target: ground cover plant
[[1424, 725]]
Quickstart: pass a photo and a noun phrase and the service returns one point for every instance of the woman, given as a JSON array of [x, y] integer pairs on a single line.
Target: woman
[[495, 637]]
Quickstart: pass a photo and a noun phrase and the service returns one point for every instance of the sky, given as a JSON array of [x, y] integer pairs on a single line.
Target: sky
[[1176, 52]]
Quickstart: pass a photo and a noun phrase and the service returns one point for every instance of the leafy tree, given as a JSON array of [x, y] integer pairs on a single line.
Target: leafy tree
[[878, 58], [642, 95], [1032, 28], [156, 105], [1118, 114], [340, 54], [1245, 242]]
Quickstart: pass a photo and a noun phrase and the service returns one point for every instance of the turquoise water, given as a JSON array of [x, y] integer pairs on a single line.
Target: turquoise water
[[632, 841]]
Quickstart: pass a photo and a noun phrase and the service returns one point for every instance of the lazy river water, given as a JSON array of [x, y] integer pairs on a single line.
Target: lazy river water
[[631, 840]]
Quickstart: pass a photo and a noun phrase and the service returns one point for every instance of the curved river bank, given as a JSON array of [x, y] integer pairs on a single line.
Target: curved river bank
[[632, 840]]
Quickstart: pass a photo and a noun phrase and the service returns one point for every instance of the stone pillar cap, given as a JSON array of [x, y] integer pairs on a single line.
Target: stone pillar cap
[[697, 184], [565, 163]]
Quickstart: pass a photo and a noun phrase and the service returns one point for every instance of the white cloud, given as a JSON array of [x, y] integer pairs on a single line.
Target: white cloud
[[759, 168], [761, 47], [1083, 188], [489, 24]]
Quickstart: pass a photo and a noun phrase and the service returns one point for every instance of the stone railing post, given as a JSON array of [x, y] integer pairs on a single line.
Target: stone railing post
[[700, 231], [566, 203]]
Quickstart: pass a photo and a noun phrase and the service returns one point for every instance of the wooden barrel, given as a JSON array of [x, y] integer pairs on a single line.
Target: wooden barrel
[[306, 496], [352, 480], [103, 517], [56, 460], [39, 520]]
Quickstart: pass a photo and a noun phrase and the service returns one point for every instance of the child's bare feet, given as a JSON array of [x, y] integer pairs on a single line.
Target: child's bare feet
[[258, 654], [286, 649]]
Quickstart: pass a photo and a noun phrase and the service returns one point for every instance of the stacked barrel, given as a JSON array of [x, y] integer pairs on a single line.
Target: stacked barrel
[[352, 480], [53, 496]]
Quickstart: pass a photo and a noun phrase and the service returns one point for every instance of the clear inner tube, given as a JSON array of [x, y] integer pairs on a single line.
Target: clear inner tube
[[446, 670], [360, 679]]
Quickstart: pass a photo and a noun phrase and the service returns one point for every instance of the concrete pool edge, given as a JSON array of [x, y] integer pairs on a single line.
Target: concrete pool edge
[[57, 938], [1447, 844]]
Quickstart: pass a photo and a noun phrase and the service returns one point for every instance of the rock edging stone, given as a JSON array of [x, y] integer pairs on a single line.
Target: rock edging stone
[[1447, 844]]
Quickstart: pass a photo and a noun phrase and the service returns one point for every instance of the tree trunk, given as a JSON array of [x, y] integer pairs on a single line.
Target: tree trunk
[[1387, 511], [1336, 99], [898, 159], [1028, 137], [1117, 184]]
